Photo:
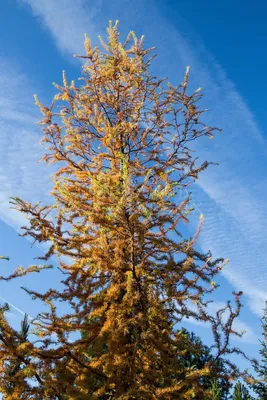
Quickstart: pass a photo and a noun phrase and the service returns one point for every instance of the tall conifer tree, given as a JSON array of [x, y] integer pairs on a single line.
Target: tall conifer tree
[[121, 139]]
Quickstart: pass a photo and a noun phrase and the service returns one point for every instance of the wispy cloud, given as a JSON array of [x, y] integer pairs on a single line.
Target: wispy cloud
[[66, 20], [232, 195], [20, 173]]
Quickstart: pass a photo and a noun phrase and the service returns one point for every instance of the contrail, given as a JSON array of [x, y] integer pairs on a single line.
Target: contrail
[[2, 298], [15, 308]]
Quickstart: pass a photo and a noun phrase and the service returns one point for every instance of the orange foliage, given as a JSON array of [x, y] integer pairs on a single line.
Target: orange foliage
[[121, 139]]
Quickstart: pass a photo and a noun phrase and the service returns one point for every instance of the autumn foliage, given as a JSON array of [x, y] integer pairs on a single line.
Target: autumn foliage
[[121, 141]]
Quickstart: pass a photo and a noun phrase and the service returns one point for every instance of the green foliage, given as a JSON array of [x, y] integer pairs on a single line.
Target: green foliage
[[216, 392], [197, 356], [241, 392], [260, 387]]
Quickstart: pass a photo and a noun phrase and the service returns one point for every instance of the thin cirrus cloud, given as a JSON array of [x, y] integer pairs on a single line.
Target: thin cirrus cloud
[[20, 173], [66, 20], [231, 196]]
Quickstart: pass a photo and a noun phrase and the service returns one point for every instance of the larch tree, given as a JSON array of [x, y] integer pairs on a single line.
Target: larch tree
[[16, 369], [121, 140]]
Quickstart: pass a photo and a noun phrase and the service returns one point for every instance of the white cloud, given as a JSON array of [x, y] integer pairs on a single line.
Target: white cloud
[[66, 20], [20, 173]]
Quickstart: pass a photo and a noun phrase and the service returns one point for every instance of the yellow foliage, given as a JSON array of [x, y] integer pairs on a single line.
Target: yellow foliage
[[122, 158]]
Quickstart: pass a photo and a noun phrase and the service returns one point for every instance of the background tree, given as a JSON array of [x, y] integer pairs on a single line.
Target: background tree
[[241, 392], [216, 393], [122, 138], [260, 387], [197, 355]]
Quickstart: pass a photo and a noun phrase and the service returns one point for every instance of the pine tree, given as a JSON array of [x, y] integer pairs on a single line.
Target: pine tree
[[216, 393], [122, 140], [196, 356], [241, 392], [260, 387]]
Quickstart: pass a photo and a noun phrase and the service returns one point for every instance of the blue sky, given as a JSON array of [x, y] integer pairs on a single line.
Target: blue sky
[[224, 44]]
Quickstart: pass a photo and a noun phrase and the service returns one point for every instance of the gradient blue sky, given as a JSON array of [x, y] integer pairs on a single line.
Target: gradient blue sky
[[225, 45]]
